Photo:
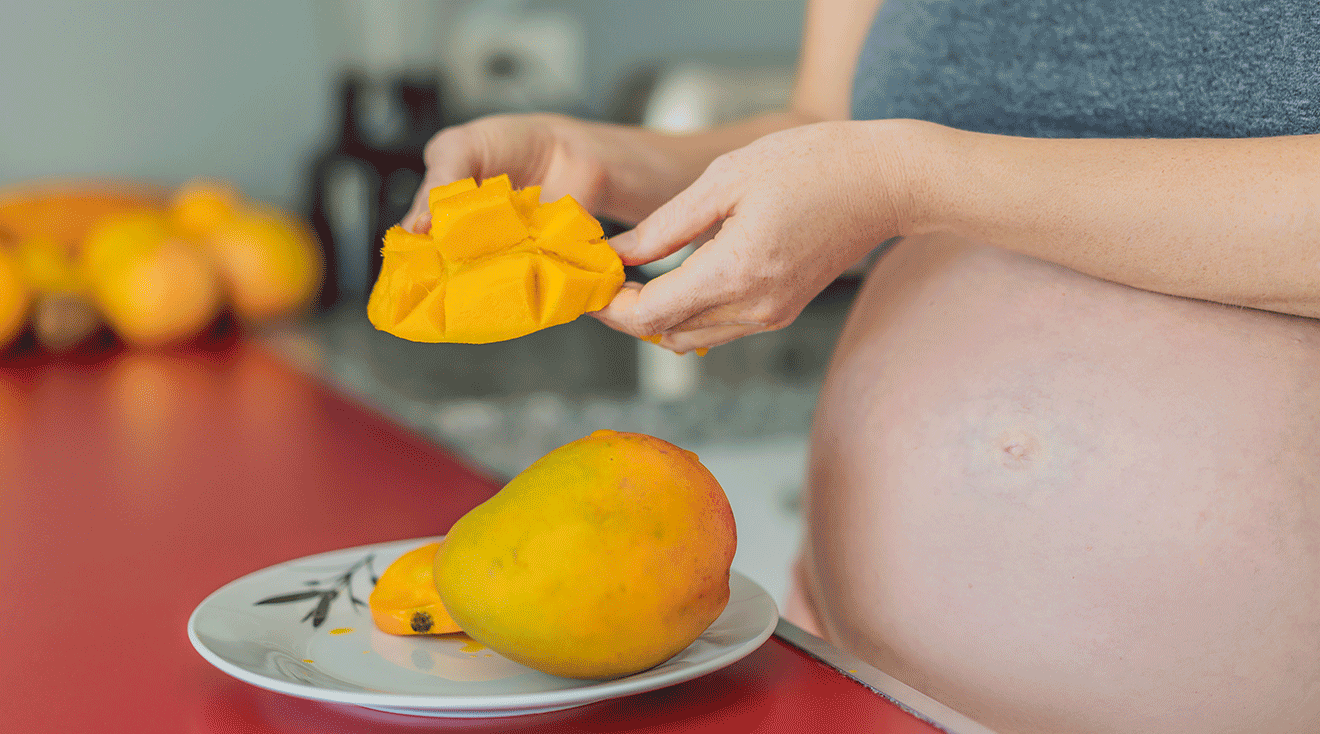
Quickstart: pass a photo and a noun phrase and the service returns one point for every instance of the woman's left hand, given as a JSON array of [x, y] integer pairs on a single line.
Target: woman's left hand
[[795, 209]]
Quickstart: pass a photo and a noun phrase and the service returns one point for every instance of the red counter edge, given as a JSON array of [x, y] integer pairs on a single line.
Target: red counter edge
[[906, 697]]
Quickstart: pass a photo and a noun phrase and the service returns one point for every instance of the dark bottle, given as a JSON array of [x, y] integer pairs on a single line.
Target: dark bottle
[[360, 185]]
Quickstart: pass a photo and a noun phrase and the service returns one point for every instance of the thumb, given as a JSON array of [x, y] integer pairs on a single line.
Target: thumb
[[676, 223]]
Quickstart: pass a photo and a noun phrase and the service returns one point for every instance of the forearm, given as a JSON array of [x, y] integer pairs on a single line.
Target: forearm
[[649, 167], [652, 167], [1232, 221]]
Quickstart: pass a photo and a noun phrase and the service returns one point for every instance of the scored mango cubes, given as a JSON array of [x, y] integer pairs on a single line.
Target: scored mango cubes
[[497, 264]]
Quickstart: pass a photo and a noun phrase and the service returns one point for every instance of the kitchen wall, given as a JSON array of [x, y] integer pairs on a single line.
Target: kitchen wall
[[243, 89], [162, 90], [622, 35]]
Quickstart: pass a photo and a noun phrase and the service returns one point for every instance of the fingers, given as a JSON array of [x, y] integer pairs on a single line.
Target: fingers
[[662, 304], [677, 222], [701, 331], [529, 149], [449, 156], [624, 313], [699, 340], [695, 306], [418, 218], [716, 287]]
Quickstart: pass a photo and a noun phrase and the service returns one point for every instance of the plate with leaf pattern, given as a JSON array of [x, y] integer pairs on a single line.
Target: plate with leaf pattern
[[303, 628]]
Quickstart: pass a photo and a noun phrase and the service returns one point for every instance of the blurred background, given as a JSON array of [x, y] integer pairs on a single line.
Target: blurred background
[[248, 90], [320, 108]]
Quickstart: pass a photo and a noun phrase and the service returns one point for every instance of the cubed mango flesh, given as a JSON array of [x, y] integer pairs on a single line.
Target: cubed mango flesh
[[497, 264]]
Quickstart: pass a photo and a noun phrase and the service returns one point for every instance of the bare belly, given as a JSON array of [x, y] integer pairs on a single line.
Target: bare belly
[[1059, 504]]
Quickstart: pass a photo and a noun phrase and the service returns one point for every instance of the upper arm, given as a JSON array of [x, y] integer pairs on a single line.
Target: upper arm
[[832, 37]]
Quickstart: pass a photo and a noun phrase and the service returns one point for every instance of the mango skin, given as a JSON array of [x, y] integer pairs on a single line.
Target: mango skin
[[606, 557]]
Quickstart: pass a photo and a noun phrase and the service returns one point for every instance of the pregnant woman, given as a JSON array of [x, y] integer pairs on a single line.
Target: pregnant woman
[[1065, 467]]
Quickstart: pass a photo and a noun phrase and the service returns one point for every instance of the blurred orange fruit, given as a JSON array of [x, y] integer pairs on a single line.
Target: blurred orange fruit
[[48, 224], [201, 205], [268, 260], [15, 297], [66, 211], [152, 286], [156, 267]]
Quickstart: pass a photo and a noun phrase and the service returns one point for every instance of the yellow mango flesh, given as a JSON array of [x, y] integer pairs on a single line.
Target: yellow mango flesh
[[606, 557], [497, 264]]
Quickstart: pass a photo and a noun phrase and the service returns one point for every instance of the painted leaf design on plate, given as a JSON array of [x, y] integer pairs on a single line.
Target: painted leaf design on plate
[[326, 592]]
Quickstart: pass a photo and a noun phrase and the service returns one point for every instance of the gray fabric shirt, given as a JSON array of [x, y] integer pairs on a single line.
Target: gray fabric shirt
[[1096, 68]]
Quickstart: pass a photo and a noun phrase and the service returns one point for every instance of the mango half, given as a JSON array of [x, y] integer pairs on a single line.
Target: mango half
[[404, 600], [497, 264], [605, 557]]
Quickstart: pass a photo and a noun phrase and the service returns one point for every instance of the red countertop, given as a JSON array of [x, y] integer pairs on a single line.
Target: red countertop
[[133, 484]]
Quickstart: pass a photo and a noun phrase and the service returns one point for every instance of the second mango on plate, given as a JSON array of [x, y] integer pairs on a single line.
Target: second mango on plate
[[497, 264]]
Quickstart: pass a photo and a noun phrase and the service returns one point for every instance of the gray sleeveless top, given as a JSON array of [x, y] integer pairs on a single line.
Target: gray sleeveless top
[[1096, 68]]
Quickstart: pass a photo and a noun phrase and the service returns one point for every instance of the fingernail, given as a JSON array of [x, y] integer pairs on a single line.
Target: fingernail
[[624, 243]]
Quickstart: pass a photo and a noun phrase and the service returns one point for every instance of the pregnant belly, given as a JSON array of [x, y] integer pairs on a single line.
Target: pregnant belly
[[1060, 504]]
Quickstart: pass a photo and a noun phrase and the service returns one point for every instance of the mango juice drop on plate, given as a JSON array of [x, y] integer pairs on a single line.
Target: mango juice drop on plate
[[497, 264]]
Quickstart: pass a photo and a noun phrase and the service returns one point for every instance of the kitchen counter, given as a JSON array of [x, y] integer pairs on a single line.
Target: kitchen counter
[[136, 483]]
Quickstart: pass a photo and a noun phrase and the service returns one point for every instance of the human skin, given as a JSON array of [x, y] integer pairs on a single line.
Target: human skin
[[1056, 482], [1059, 504]]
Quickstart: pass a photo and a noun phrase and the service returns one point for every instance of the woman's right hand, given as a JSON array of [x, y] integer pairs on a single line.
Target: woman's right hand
[[591, 162]]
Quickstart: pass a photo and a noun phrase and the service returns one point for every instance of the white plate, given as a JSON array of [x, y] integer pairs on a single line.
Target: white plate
[[345, 659]]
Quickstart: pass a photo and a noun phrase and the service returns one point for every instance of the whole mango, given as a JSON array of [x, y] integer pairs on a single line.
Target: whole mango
[[606, 557]]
